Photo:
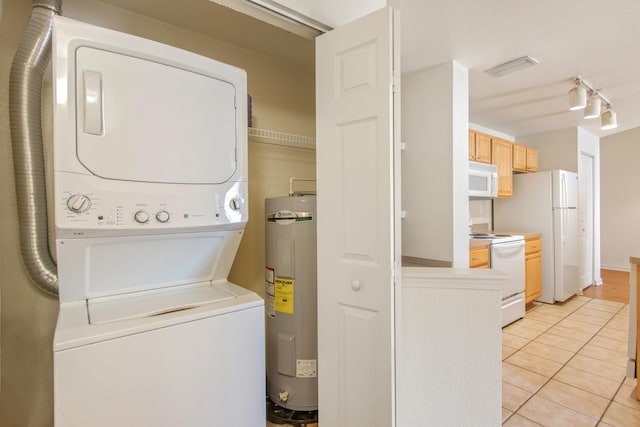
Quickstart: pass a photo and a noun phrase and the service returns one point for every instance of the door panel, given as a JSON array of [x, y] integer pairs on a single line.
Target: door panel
[[356, 221]]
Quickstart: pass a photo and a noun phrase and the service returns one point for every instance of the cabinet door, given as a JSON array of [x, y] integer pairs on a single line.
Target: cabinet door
[[358, 219], [483, 148], [472, 145], [479, 258], [519, 158], [501, 155], [533, 274], [532, 159]]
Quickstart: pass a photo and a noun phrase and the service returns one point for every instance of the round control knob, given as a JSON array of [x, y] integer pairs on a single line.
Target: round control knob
[[162, 216], [141, 217], [78, 203], [235, 204]]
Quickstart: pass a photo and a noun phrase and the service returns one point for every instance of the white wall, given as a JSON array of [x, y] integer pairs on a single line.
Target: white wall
[[434, 164], [620, 198], [556, 149], [283, 99]]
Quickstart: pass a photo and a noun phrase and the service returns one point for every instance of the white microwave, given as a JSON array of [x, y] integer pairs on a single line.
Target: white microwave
[[483, 181]]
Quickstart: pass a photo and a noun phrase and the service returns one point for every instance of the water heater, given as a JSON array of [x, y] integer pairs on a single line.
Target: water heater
[[291, 313]]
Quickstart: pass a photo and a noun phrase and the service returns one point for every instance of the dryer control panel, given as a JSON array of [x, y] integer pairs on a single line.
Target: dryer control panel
[[84, 210]]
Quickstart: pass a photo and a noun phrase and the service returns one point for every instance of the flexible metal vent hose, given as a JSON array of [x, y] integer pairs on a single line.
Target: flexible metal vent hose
[[25, 92]]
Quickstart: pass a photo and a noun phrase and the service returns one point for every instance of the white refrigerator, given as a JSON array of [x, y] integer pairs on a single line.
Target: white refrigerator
[[546, 202]]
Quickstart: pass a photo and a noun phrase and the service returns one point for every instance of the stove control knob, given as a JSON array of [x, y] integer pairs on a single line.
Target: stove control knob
[[162, 216], [141, 217], [235, 204], [78, 203]]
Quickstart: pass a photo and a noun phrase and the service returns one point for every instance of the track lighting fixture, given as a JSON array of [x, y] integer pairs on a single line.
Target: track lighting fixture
[[593, 106], [608, 119], [577, 98], [578, 101]]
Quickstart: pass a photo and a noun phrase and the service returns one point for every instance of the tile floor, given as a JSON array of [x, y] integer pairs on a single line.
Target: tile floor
[[564, 365]]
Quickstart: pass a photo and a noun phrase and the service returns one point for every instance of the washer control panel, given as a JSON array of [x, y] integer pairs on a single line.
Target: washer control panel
[[84, 211]]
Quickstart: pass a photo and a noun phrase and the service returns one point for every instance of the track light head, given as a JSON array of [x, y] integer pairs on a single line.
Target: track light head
[[593, 107], [577, 98], [608, 119]]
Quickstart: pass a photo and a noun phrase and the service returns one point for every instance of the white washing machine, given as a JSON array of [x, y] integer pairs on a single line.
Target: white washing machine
[[150, 159]]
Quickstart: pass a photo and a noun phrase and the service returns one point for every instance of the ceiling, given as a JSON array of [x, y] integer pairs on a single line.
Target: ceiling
[[595, 39]]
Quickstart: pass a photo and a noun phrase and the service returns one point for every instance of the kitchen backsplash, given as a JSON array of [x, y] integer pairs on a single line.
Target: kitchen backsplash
[[480, 213]]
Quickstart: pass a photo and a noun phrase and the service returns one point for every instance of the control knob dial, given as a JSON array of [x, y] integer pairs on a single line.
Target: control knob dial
[[78, 203], [141, 217]]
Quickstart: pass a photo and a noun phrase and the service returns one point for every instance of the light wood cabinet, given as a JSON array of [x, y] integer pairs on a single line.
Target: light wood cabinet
[[533, 269], [519, 157], [532, 159], [479, 147], [502, 157], [479, 257]]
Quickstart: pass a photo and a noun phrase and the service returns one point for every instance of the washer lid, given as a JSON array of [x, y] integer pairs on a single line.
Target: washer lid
[[140, 119], [148, 304]]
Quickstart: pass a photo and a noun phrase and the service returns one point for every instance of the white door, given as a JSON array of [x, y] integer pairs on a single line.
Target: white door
[[357, 217], [585, 219]]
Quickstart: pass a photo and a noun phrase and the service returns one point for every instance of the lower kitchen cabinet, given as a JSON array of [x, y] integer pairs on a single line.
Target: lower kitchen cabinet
[[479, 257], [533, 269]]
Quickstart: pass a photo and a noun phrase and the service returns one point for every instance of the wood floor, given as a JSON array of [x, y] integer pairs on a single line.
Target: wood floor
[[615, 287]]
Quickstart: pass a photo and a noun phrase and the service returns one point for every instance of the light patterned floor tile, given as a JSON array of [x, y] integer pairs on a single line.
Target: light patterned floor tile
[[560, 342], [620, 415], [598, 367], [513, 397], [611, 344], [548, 352], [522, 378], [627, 395], [551, 414], [592, 320], [574, 398], [544, 317], [522, 331], [588, 311], [535, 363], [520, 421], [579, 326], [630, 381], [587, 381], [616, 334], [514, 340], [506, 414], [570, 333], [606, 355], [507, 351], [535, 324]]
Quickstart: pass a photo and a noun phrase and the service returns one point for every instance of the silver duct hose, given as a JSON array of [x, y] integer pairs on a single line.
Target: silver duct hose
[[25, 92]]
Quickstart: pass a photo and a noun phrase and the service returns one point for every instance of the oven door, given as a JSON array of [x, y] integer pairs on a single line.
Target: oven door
[[508, 258]]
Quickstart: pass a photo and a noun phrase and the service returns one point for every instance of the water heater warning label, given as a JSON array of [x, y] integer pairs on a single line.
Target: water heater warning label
[[306, 368], [284, 295]]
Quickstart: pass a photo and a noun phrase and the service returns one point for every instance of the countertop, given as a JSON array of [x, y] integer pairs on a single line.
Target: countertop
[[635, 259], [482, 243]]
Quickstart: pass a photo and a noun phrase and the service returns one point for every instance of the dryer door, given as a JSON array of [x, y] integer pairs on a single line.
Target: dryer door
[[141, 119]]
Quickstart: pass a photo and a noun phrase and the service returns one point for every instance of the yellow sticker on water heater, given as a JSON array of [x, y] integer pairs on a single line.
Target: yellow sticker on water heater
[[284, 295]]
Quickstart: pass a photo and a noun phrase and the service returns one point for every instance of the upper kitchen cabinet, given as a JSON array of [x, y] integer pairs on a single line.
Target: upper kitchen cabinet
[[532, 159], [501, 156], [525, 159], [479, 147]]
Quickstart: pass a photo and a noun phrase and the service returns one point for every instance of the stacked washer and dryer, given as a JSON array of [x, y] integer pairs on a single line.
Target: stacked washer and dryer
[[150, 201]]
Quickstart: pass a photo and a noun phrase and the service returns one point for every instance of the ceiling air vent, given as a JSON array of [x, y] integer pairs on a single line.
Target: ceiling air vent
[[512, 66]]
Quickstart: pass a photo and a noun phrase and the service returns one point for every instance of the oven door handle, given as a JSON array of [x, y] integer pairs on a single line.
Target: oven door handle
[[507, 248]]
